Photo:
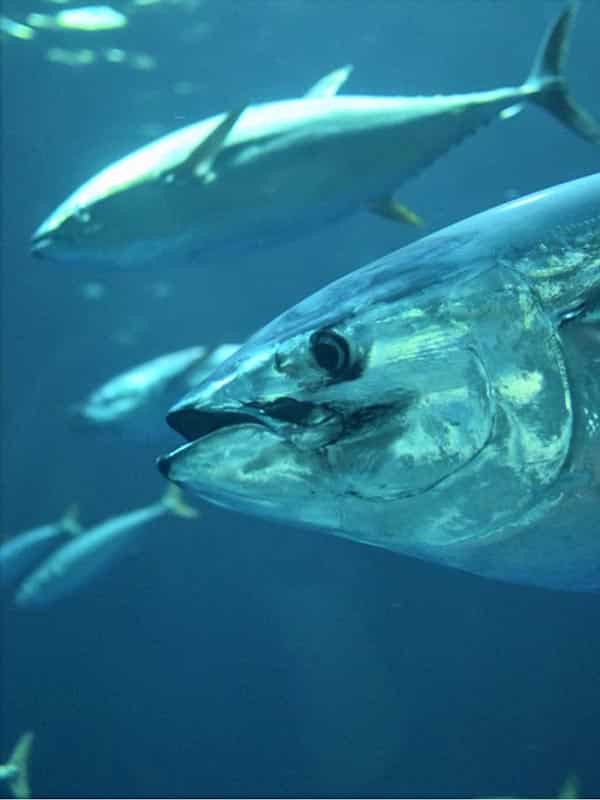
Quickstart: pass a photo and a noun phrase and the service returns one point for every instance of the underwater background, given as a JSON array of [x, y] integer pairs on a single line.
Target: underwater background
[[229, 656]]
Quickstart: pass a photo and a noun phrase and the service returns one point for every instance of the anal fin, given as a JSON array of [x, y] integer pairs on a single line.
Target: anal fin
[[386, 206]]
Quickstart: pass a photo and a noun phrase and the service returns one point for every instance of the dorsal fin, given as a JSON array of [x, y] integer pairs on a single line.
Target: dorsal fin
[[199, 162], [330, 84]]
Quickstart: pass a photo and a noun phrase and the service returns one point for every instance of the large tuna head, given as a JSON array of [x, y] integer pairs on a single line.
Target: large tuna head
[[419, 402], [123, 216], [64, 237], [363, 396], [115, 229], [143, 205]]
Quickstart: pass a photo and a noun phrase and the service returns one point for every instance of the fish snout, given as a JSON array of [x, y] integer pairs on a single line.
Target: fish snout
[[41, 246]]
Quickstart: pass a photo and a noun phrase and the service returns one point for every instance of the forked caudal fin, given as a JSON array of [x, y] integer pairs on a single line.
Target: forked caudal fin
[[547, 82], [19, 758], [174, 502]]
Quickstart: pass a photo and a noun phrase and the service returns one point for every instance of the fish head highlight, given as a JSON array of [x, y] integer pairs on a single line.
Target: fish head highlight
[[111, 219], [423, 403], [141, 206], [66, 236], [94, 226], [321, 415]]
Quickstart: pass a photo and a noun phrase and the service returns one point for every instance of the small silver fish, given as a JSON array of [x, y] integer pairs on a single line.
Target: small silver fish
[[271, 171], [134, 402], [83, 558], [85, 18], [15, 771], [11, 27], [20, 553], [442, 402]]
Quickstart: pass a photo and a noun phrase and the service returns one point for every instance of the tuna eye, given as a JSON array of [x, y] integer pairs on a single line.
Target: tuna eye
[[331, 352]]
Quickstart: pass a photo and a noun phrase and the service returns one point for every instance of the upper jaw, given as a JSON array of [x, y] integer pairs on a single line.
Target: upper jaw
[[194, 423], [303, 424]]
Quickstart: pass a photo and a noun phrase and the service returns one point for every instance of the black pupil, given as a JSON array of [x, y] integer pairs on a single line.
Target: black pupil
[[331, 352]]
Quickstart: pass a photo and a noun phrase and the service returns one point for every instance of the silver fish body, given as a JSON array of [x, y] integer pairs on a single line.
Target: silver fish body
[[271, 171], [80, 560], [93, 552], [442, 402], [133, 403], [22, 552]]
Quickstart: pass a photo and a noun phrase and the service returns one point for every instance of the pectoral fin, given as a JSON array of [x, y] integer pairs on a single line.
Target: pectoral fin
[[389, 208], [175, 504], [199, 162], [330, 85]]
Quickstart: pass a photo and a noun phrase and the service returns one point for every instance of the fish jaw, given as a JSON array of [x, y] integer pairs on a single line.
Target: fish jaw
[[248, 467], [58, 246], [271, 433], [459, 440], [46, 245]]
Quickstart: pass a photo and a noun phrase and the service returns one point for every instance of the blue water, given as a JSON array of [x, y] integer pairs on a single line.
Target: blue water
[[230, 656]]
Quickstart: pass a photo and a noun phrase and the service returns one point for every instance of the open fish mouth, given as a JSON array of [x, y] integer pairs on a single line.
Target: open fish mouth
[[295, 424], [283, 412], [194, 424], [208, 431]]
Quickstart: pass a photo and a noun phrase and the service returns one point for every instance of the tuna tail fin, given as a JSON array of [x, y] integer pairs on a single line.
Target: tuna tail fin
[[174, 503], [570, 788], [69, 521], [19, 784], [547, 83]]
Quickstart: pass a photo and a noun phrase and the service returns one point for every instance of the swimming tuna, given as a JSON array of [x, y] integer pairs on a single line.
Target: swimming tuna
[[268, 172], [22, 552], [16, 770], [443, 402], [84, 558], [135, 402]]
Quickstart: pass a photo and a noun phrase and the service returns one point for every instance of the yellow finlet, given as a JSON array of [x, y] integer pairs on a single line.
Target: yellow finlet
[[511, 111]]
